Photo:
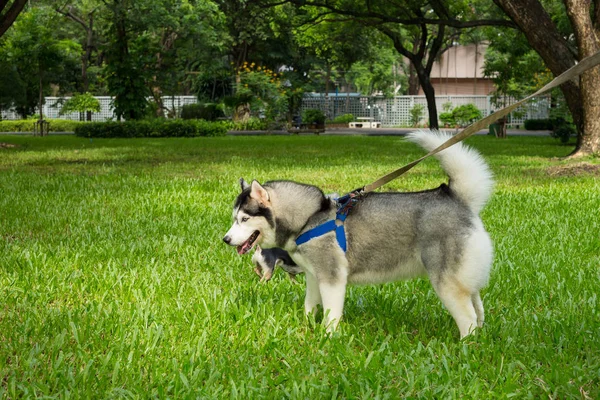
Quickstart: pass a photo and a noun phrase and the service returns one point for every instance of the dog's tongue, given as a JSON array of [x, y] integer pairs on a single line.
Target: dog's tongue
[[244, 247]]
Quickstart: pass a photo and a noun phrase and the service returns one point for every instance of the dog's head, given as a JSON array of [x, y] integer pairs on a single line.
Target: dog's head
[[253, 221]]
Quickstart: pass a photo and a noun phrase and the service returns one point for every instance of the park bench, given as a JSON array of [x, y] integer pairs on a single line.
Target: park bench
[[365, 122]]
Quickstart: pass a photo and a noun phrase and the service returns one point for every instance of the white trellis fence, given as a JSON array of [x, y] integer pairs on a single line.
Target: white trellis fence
[[396, 111], [389, 111], [52, 106]]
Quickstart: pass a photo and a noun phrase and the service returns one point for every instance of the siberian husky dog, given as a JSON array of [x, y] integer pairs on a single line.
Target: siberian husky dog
[[390, 236], [266, 260]]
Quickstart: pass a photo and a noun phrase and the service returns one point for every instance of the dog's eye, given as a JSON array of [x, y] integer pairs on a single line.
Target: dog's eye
[[244, 219]]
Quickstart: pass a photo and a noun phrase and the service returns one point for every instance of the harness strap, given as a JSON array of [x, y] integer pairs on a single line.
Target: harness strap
[[345, 205], [324, 228]]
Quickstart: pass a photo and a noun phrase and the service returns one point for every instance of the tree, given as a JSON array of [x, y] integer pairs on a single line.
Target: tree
[[418, 31], [125, 70], [81, 103], [553, 47], [38, 57], [86, 23]]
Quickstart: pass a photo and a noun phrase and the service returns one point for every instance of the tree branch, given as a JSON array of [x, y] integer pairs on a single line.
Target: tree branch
[[389, 18], [13, 12]]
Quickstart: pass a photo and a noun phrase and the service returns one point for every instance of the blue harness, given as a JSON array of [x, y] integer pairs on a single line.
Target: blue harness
[[345, 205]]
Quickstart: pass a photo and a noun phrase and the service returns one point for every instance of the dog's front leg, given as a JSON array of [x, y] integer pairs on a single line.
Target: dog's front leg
[[313, 295], [333, 293]]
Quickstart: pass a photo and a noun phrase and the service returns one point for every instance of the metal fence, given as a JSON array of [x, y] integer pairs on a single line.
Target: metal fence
[[389, 111], [396, 111]]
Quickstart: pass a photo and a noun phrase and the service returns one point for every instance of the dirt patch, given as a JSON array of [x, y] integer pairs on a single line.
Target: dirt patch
[[7, 145], [574, 169]]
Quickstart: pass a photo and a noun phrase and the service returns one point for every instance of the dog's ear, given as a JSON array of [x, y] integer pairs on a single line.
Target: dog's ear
[[259, 193], [243, 184]]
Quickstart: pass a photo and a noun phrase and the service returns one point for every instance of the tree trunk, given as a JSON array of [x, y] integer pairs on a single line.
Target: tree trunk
[[327, 78], [430, 96], [588, 44], [413, 80], [533, 20]]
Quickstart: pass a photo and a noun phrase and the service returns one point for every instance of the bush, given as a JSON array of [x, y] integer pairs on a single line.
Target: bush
[[416, 112], [252, 124], [313, 116], [539, 124], [343, 119], [562, 129], [26, 125], [447, 118], [152, 128], [207, 111], [466, 114]]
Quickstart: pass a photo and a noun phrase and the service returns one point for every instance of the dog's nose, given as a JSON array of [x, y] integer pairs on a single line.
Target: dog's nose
[[227, 239]]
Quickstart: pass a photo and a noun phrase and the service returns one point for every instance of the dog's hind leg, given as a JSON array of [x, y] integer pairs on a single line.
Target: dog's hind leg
[[478, 304], [458, 301]]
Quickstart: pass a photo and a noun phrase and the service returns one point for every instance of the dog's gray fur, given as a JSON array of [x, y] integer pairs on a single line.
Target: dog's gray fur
[[390, 236]]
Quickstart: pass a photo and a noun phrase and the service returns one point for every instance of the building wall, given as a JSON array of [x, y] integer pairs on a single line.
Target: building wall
[[459, 71]]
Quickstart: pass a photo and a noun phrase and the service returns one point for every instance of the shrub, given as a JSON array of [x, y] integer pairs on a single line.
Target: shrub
[[564, 132], [539, 124], [447, 118], [26, 125], [207, 111], [152, 128], [343, 119], [252, 124], [562, 129], [466, 114], [416, 112], [313, 116]]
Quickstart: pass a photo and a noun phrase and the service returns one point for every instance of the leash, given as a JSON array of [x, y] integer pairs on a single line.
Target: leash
[[348, 201]]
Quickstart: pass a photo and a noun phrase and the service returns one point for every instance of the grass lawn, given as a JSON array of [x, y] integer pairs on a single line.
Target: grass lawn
[[114, 281]]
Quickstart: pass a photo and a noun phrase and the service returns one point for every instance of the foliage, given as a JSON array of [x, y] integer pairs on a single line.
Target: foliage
[[416, 113], [80, 103], [343, 119], [313, 116], [466, 114], [447, 118], [538, 124], [26, 125], [513, 66], [115, 283], [37, 59], [564, 132], [263, 87], [562, 129], [206, 111], [251, 124], [151, 128]]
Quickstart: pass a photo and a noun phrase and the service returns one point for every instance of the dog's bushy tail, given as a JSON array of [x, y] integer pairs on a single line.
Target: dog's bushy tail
[[470, 177]]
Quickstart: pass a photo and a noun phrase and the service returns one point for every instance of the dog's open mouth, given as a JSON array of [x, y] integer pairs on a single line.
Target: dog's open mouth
[[247, 245]]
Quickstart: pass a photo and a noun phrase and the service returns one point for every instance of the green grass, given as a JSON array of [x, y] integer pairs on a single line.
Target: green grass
[[114, 281]]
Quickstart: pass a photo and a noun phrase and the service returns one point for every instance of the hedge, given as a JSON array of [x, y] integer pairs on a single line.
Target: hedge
[[26, 125], [151, 128], [208, 111], [539, 124]]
